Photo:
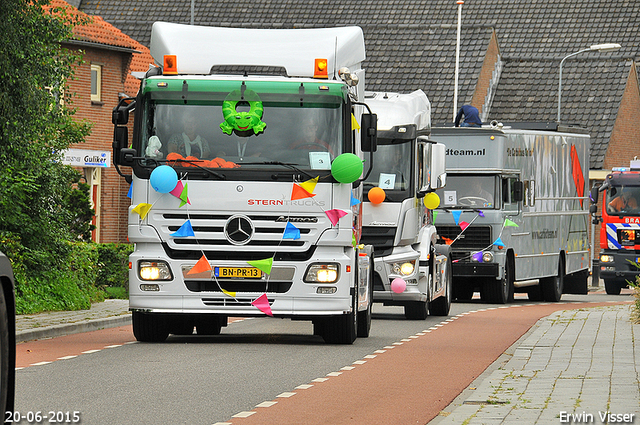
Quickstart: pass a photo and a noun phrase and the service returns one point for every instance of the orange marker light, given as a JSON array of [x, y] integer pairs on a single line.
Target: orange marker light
[[170, 65], [321, 69]]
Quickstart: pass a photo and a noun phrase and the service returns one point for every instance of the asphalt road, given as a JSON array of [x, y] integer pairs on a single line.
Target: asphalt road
[[107, 378]]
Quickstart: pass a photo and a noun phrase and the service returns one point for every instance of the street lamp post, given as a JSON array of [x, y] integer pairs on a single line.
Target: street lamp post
[[607, 47]]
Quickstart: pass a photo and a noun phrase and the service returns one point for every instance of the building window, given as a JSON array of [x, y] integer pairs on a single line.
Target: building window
[[96, 83]]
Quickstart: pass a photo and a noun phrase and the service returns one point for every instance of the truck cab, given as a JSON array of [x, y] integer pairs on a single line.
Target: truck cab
[[620, 223], [411, 269], [246, 156]]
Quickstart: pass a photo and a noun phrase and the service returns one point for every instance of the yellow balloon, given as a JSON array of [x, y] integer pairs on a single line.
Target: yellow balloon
[[431, 200]]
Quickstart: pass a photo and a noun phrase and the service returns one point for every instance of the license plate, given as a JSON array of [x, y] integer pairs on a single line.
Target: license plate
[[237, 272]]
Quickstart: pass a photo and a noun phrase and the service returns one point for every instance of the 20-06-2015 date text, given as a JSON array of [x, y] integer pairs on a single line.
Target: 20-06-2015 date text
[[50, 417]]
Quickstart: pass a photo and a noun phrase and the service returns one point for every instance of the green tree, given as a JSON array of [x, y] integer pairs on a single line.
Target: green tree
[[39, 207]]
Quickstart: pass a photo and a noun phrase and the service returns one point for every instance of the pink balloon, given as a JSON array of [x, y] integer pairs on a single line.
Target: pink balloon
[[398, 285]]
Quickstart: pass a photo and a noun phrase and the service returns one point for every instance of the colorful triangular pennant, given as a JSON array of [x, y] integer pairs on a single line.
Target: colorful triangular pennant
[[353, 201], [334, 215], [310, 185], [464, 225], [477, 256], [298, 192], [130, 191], [262, 304], [201, 266], [264, 265], [480, 213], [498, 242], [184, 196], [184, 231], [456, 215], [177, 191], [509, 223], [354, 123], [231, 294], [291, 232], [142, 209]]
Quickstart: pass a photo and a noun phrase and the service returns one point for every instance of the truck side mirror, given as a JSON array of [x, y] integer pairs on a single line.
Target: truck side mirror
[[518, 191], [120, 137], [438, 166], [369, 133], [126, 157], [593, 195]]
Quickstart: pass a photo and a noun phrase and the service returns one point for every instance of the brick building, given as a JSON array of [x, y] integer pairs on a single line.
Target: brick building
[[100, 82]]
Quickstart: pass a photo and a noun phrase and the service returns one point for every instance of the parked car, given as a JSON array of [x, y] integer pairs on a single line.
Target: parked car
[[7, 335]]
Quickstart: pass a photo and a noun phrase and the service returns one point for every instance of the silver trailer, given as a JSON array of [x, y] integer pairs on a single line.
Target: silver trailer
[[515, 210]]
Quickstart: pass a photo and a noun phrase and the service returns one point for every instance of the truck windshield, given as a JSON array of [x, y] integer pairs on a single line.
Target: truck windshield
[[469, 191], [392, 170], [623, 200], [244, 128]]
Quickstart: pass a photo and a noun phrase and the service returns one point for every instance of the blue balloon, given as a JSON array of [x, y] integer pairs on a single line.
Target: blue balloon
[[163, 179]]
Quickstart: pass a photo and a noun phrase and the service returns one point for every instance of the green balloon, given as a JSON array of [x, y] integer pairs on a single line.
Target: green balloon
[[346, 168]]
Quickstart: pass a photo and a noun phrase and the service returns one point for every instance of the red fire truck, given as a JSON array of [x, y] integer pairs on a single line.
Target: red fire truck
[[620, 228]]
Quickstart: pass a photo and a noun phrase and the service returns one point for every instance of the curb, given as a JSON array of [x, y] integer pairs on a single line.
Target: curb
[[73, 328]]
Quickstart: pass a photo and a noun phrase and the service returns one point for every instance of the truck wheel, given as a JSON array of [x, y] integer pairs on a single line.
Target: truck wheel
[[416, 310], [441, 305], [149, 327], [364, 317], [181, 325], [612, 287], [341, 329], [208, 324], [552, 286], [535, 293], [577, 283], [500, 291]]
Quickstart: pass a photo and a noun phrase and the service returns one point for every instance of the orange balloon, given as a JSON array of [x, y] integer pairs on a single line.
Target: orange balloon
[[376, 195]]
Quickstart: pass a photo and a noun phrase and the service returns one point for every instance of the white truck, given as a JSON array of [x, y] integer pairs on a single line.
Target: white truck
[[247, 155], [515, 210], [407, 166]]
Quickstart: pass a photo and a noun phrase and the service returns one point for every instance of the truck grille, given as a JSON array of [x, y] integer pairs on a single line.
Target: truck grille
[[380, 237], [220, 236], [474, 237]]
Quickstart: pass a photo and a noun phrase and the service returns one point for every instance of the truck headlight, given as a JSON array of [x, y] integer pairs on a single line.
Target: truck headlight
[[482, 256], [605, 258], [322, 273], [403, 269], [154, 270]]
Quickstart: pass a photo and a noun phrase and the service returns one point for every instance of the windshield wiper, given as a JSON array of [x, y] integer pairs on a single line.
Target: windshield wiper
[[213, 173], [284, 164]]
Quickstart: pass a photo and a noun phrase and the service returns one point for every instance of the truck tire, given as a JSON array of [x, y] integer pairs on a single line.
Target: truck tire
[[364, 317], [441, 305], [416, 310], [552, 286], [341, 329], [5, 361], [500, 291], [577, 283], [181, 325], [612, 287], [149, 327], [208, 324]]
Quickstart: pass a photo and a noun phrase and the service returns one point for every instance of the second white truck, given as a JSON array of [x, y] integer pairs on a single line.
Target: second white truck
[[410, 268]]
